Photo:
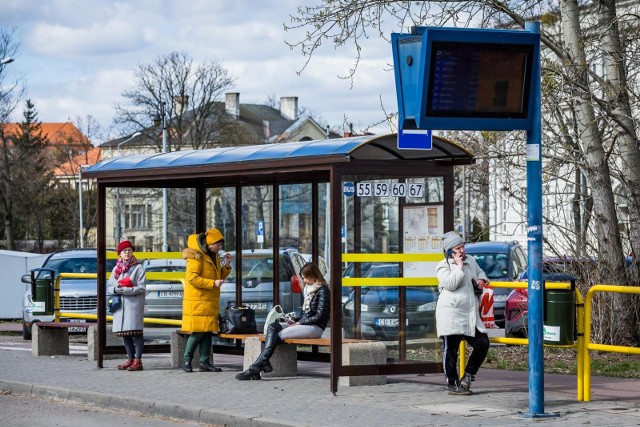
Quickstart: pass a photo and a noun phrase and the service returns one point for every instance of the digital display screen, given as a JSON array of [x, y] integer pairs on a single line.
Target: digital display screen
[[479, 80]]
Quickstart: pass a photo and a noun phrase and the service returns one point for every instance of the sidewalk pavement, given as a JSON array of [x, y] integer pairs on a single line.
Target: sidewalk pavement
[[500, 397]]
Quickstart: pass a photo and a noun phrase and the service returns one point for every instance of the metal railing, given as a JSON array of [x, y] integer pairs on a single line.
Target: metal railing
[[582, 343], [578, 345], [588, 345]]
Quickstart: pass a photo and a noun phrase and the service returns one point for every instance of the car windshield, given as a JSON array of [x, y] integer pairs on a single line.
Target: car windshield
[[415, 295], [260, 268], [495, 265], [72, 265]]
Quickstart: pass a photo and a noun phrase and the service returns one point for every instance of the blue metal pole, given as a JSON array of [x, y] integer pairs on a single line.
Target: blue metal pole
[[534, 214]]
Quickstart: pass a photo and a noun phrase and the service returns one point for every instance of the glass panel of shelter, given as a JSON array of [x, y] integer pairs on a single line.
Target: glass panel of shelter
[[378, 230]]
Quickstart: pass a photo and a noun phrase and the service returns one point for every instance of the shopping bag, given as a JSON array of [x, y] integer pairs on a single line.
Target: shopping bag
[[274, 314]]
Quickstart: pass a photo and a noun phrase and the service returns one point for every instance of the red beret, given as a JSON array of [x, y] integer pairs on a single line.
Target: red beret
[[124, 245]]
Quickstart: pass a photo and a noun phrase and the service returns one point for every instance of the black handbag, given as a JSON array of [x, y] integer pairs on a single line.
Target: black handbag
[[113, 303], [238, 320]]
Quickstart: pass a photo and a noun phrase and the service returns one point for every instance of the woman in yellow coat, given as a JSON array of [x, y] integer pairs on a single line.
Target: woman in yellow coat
[[200, 304]]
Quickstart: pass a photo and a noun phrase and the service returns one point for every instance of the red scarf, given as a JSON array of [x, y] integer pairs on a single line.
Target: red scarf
[[123, 267]]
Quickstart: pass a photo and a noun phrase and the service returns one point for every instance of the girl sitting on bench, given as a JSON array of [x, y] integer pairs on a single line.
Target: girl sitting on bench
[[312, 323]]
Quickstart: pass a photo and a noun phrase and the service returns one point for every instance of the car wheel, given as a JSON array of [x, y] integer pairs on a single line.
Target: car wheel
[[26, 331]]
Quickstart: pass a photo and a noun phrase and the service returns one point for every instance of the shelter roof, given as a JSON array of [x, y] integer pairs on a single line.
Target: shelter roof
[[309, 154]]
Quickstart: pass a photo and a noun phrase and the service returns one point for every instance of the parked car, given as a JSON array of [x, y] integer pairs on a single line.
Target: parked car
[[163, 298], [517, 304], [502, 262], [76, 295], [379, 308], [257, 282]]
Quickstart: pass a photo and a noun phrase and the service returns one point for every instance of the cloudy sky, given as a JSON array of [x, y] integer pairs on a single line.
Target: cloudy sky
[[78, 56]]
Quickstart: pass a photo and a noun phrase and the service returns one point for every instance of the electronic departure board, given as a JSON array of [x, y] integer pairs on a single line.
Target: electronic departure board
[[461, 78], [479, 80]]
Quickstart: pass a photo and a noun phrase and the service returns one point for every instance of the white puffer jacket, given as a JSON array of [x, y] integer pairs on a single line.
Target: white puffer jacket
[[457, 311]]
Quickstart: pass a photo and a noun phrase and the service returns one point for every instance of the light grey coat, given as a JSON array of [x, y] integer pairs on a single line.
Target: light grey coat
[[129, 317], [457, 310]]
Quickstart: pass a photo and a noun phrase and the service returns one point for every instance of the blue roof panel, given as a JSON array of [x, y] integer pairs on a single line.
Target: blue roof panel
[[365, 147]]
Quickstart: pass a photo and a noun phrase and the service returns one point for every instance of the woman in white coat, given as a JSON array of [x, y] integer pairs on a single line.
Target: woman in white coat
[[457, 313], [128, 279]]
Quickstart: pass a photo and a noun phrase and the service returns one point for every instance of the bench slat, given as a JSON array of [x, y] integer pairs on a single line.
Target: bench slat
[[300, 341], [237, 336]]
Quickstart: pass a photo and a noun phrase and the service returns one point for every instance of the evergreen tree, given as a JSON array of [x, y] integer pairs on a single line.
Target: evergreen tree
[[25, 176]]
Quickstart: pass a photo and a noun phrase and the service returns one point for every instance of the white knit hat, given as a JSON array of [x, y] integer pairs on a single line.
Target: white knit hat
[[451, 240]]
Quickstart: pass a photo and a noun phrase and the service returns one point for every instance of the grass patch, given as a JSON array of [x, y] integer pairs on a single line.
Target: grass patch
[[559, 360]]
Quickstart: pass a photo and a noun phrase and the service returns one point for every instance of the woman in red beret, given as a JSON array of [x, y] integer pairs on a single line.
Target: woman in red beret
[[128, 279]]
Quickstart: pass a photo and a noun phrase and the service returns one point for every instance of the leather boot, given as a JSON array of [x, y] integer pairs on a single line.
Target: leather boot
[[248, 375], [208, 367], [136, 366], [125, 365], [271, 341], [186, 365]]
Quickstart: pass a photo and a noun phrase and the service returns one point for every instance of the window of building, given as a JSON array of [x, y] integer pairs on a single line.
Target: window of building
[[137, 217]]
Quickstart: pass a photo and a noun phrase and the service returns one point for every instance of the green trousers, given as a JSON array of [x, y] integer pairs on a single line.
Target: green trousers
[[201, 340]]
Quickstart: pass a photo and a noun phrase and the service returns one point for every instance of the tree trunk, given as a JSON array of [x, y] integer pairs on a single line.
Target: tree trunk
[[596, 168], [617, 93], [8, 231]]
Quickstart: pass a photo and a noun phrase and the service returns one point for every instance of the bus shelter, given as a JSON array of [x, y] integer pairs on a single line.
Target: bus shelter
[[371, 213]]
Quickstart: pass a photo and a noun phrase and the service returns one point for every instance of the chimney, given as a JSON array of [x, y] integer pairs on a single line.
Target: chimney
[[232, 104], [180, 103], [289, 107], [266, 129], [350, 133]]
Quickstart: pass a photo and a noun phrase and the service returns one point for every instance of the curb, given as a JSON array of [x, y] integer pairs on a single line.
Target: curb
[[140, 406]]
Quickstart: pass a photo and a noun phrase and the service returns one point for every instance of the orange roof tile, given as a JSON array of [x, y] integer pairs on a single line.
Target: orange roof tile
[[71, 168], [57, 133]]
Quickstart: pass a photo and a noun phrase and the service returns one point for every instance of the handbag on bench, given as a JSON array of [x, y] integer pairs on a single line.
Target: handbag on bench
[[238, 320]]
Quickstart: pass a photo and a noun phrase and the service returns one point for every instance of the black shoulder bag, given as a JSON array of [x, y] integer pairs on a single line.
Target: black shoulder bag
[[238, 320]]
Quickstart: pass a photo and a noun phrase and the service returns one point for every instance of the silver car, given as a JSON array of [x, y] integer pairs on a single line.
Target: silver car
[[76, 295], [257, 282], [163, 298]]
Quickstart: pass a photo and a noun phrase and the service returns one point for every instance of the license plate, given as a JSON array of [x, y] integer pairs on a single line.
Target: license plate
[[72, 329], [390, 322], [257, 305], [169, 294]]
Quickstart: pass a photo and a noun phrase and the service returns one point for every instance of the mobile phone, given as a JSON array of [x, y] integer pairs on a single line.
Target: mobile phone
[[451, 252]]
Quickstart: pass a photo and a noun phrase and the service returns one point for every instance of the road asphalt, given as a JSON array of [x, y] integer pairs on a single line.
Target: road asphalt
[[500, 397]]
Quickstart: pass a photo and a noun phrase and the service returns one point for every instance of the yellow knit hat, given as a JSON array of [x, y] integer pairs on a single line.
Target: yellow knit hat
[[213, 236]]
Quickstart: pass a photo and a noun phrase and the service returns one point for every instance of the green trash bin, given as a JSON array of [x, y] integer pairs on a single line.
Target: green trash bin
[[559, 317], [42, 291]]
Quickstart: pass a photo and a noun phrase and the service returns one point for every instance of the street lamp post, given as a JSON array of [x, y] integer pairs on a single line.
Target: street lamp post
[[161, 120], [80, 168], [135, 135], [6, 61]]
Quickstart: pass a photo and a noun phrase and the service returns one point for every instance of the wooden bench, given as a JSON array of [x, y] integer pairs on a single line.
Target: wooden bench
[[285, 359], [52, 338]]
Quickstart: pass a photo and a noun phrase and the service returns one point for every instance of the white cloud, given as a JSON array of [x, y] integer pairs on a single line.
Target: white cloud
[[79, 55]]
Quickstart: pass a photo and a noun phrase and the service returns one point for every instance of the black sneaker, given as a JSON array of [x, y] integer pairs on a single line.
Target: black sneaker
[[455, 389], [466, 381]]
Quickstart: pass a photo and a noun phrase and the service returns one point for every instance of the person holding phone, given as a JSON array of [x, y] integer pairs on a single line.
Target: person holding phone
[[457, 313], [311, 324], [205, 275]]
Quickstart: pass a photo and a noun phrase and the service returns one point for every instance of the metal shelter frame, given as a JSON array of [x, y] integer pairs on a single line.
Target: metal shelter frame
[[323, 161]]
